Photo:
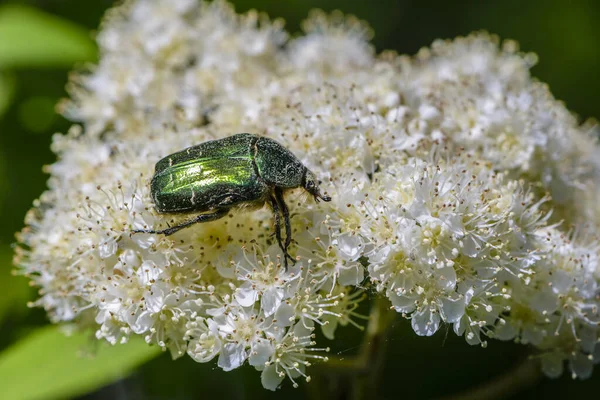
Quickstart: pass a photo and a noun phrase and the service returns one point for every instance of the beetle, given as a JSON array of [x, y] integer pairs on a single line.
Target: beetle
[[239, 170]]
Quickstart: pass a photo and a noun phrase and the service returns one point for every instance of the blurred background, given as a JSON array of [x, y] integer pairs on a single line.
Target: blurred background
[[42, 40]]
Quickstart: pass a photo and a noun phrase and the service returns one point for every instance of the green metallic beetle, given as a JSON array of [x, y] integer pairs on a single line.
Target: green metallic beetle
[[239, 170]]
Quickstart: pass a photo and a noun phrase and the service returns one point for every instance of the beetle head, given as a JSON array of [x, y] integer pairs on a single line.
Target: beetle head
[[311, 184]]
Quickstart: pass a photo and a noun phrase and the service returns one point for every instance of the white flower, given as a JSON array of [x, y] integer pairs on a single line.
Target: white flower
[[245, 335], [332, 43], [263, 278], [461, 190], [204, 343], [291, 357]]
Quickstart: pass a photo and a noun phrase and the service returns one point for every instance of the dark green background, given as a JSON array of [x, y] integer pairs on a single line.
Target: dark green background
[[565, 35]]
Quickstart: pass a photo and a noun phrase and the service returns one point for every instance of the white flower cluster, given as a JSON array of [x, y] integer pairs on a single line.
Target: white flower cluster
[[462, 191]]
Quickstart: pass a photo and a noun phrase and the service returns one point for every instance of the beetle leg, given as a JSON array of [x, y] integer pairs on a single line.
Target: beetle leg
[[219, 213], [288, 225], [277, 212]]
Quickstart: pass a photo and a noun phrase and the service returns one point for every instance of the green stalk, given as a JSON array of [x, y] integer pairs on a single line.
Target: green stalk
[[356, 378]]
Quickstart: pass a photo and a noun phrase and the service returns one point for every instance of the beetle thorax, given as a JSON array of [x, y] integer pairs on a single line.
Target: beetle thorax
[[276, 165]]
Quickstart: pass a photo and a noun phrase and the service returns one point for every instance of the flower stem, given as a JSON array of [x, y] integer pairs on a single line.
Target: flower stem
[[524, 374], [356, 378]]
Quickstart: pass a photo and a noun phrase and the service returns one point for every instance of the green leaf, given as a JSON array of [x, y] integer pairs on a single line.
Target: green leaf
[[15, 290], [49, 365], [32, 38]]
